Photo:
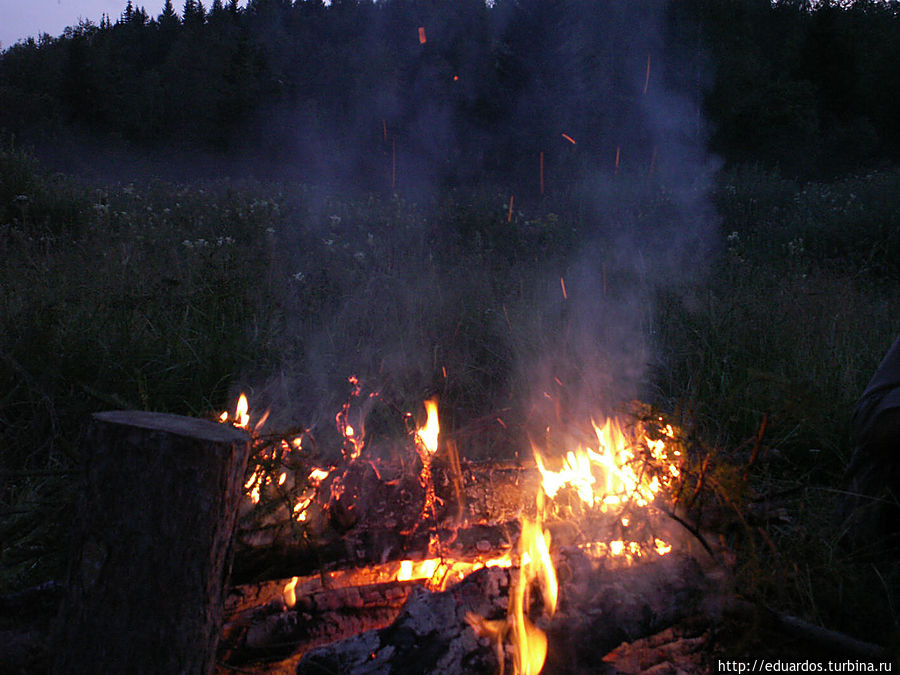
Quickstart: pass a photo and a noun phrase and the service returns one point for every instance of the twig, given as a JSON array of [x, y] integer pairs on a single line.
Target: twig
[[37, 472], [757, 444], [699, 487], [827, 638], [694, 531]]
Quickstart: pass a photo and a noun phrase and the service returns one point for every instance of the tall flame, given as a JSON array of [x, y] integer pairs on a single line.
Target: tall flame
[[428, 434]]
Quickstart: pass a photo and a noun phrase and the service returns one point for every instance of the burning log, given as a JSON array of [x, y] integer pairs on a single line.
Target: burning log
[[153, 550], [605, 609], [377, 516], [598, 610]]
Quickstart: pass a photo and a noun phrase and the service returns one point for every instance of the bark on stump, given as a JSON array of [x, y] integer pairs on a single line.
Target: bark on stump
[[153, 547]]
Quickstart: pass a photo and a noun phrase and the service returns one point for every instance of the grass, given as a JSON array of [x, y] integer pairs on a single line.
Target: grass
[[172, 297]]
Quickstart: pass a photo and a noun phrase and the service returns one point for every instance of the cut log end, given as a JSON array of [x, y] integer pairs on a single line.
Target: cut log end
[[153, 548]]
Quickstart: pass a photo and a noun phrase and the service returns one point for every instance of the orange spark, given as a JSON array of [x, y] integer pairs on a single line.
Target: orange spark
[[647, 77], [422, 39], [562, 282], [569, 138], [618, 157], [509, 215], [542, 174]]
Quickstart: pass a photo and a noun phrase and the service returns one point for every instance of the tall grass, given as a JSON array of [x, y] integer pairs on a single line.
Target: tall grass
[[169, 297]]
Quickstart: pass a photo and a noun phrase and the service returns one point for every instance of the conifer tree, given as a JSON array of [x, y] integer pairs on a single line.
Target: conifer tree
[[168, 17]]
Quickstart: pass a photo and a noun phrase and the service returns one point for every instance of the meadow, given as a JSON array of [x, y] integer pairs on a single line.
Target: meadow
[[174, 297]]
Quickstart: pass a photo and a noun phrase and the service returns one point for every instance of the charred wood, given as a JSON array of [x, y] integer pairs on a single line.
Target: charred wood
[[276, 631], [599, 609], [430, 635]]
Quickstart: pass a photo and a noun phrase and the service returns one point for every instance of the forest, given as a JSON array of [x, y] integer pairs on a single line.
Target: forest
[[465, 90]]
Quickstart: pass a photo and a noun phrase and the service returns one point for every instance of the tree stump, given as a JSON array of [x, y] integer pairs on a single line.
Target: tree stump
[[153, 547]]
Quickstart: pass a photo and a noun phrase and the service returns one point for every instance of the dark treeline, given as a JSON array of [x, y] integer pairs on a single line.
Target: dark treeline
[[453, 90]]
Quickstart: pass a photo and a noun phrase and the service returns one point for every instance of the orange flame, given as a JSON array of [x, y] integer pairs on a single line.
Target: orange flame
[[428, 435], [290, 597], [241, 413], [529, 641], [614, 476], [621, 478]]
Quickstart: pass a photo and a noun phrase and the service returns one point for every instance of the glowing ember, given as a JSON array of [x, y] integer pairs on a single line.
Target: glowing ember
[[354, 442], [254, 485], [439, 573], [316, 476], [569, 138], [422, 39]]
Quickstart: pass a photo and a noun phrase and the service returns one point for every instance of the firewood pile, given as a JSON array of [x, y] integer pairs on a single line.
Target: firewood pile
[[408, 561], [330, 594]]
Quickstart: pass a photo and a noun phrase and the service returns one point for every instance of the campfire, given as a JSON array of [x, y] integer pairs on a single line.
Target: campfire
[[364, 562]]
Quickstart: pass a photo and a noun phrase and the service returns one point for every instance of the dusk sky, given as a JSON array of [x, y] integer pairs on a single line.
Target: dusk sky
[[22, 18]]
